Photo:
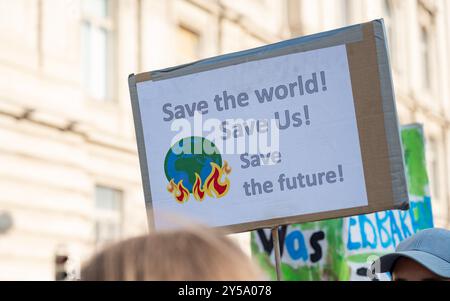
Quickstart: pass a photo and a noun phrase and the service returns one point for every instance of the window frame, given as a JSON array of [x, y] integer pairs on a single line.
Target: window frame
[[193, 30], [108, 24], [107, 216], [427, 23]]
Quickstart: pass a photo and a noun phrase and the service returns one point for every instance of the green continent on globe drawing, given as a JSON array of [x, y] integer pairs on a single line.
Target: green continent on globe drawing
[[192, 164]]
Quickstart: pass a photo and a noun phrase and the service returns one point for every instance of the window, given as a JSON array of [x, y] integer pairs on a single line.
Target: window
[[188, 45], [97, 50], [108, 214], [426, 50], [425, 59]]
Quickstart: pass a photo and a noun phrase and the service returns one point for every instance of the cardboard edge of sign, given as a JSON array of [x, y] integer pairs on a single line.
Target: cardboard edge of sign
[[375, 109], [141, 150]]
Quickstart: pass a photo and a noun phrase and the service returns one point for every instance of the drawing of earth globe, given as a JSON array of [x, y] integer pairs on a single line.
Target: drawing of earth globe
[[189, 156]]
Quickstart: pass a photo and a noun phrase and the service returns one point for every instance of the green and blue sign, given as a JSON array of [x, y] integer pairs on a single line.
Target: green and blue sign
[[343, 248]]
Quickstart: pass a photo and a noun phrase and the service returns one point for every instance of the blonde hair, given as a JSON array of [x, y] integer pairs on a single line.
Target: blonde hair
[[189, 254]]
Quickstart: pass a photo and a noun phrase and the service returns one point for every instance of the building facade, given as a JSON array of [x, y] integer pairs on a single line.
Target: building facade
[[69, 172]]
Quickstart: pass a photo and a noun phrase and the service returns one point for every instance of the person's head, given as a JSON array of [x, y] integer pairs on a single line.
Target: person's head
[[189, 254], [423, 256]]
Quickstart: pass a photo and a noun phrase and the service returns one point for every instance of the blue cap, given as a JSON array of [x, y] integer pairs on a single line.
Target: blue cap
[[430, 248]]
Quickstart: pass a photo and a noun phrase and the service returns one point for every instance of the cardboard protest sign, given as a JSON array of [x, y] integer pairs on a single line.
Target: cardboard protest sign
[[297, 131], [343, 248]]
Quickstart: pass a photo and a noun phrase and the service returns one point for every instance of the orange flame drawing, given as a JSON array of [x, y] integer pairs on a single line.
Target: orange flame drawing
[[171, 187], [180, 192], [197, 190], [226, 168], [213, 182]]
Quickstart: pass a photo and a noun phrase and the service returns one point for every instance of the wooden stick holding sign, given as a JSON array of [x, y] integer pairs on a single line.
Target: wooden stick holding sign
[[276, 246]]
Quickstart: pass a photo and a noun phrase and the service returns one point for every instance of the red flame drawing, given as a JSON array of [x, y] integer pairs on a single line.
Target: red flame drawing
[[213, 183], [180, 192], [199, 193]]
